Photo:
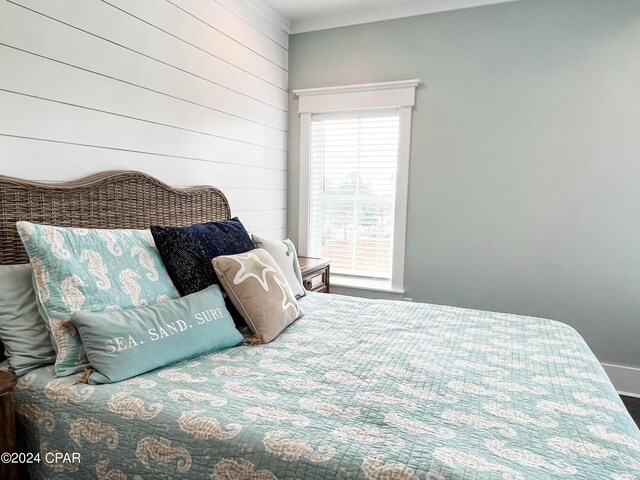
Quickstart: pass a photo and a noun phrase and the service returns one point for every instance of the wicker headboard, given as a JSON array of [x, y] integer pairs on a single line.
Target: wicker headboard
[[115, 199]]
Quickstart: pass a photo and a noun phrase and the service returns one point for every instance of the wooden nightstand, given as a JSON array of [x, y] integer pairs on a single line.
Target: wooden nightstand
[[8, 471], [315, 274]]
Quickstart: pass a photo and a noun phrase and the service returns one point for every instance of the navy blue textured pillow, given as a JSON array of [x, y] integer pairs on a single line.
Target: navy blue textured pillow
[[187, 251]]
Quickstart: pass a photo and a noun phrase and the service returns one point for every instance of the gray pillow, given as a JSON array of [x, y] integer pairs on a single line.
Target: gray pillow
[[284, 253], [27, 343]]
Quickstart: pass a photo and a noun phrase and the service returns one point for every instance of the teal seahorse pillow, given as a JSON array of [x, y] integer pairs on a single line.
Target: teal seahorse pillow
[[129, 342], [92, 270]]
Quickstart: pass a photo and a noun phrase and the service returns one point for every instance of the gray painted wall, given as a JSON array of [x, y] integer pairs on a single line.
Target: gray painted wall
[[524, 190]]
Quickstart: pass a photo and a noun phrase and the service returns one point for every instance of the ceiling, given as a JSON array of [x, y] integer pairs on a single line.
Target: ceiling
[[309, 15]]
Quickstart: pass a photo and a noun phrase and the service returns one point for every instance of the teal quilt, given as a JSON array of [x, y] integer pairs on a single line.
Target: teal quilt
[[355, 389]]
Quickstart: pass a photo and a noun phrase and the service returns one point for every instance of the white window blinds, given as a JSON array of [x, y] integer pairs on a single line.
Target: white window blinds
[[352, 191]]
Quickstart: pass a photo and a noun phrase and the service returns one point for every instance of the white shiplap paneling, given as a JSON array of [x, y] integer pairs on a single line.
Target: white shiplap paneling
[[191, 92], [262, 17], [106, 22], [208, 40], [103, 58], [226, 22]]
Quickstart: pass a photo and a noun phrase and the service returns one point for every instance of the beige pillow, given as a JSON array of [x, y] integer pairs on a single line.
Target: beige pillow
[[258, 289]]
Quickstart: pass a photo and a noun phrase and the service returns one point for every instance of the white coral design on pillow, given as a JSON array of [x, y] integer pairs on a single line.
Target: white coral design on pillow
[[97, 268]]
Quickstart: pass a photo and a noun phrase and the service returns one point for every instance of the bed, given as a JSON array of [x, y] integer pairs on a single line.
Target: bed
[[356, 388]]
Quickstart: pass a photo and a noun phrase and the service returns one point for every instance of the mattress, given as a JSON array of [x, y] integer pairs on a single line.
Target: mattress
[[355, 389]]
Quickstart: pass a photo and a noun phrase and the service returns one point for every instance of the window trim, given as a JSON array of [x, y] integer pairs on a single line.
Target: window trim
[[398, 95]]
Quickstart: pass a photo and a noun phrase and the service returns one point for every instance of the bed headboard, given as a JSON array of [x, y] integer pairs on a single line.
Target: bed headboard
[[114, 199]]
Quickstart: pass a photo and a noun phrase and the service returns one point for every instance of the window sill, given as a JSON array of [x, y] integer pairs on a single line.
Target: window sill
[[359, 283]]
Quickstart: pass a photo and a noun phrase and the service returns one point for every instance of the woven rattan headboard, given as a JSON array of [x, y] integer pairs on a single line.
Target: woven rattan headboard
[[115, 199]]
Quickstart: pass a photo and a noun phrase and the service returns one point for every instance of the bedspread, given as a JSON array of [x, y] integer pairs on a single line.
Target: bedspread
[[355, 389]]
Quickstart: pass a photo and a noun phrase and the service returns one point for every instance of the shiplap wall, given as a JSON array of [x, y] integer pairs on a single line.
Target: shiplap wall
[[190, 91]]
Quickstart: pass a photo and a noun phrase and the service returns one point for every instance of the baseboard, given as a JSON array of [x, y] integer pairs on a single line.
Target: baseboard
[[625, 379]]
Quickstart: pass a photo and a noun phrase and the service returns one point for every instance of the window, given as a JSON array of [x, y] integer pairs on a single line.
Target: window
[[354, 173], [352, 184]]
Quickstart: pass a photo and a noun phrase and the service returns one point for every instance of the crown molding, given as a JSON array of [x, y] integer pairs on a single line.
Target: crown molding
[[385, 12], [266, 11]]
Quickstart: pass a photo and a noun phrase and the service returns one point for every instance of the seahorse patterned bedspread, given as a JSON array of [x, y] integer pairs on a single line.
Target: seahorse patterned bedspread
[[355, 389]]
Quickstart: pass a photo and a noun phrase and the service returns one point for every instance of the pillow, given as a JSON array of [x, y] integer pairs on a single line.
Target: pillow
[[285, 255], [258, 289], [187, 251], [126, 343], [90, 270], [26, 340]]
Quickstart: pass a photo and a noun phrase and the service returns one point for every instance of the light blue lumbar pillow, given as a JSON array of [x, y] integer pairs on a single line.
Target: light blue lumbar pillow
[[125, 343], [80, 269], [26, 340]]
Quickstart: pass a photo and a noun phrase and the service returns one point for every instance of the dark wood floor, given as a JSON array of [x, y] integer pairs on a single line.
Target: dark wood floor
[[633, 405]]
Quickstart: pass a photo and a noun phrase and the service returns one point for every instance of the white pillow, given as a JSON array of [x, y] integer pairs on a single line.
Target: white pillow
[[284, 253]]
